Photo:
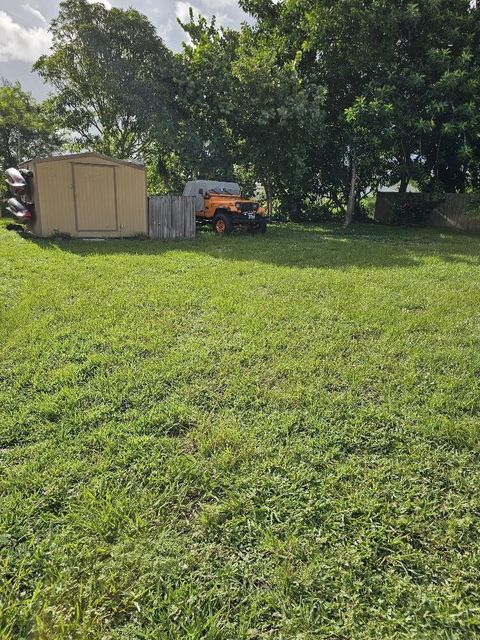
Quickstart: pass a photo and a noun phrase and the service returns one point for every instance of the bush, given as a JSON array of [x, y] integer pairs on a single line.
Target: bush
[[472, 205], [317, 211], [368, 206]]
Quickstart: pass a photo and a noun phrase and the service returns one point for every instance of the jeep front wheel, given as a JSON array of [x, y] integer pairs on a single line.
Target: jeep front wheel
[[222, 223]]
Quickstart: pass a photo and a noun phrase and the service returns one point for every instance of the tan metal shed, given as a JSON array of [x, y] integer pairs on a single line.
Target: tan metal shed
[[88, 195]]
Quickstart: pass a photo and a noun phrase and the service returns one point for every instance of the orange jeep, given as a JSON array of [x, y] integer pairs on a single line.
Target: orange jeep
[[221, 205]]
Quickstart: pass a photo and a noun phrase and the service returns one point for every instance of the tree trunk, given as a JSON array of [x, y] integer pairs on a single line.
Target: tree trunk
[[404, 184], [163, 172], [293, 210], [405, 169], [267, 185], [351, 196]]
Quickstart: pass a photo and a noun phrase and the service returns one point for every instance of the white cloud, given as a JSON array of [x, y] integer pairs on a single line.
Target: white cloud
[[213, 5], [182, 10], [36, 13], [20, 43], [24, 36], [226, 12], [165, 29], [105, 3], [224, 20]]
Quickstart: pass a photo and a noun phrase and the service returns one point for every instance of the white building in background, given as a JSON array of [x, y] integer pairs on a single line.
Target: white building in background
[[394, 188]]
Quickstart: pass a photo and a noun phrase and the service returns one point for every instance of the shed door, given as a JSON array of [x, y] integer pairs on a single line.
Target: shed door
[[95, 198]]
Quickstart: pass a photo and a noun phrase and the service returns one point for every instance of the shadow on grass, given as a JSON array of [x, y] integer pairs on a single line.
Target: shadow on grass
[[301, 246]]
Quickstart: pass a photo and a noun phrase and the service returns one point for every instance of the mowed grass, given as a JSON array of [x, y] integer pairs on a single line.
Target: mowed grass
[[241, 438]]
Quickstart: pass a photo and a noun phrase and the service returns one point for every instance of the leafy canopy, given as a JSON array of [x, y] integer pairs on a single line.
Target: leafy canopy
[[26, 127], [113, 77]]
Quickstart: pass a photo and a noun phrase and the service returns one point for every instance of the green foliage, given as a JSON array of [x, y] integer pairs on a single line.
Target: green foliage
[[308, 96], [26, 127], [472, 205], [240, 437], [402, 88], [368, 205], [165, 171], [321, 211], [113, 77], [247, 100]]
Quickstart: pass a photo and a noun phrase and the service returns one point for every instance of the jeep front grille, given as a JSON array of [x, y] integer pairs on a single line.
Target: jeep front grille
[[246, 206]]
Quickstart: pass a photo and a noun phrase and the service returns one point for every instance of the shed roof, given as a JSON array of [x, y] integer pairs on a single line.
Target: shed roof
[[85, 154]]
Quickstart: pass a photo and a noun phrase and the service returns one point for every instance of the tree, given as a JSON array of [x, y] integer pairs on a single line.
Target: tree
[[431, 81], [319, 100], [255, 104], [113, 76], [26, 129], [206, 143], [402, 88], [326, 41]]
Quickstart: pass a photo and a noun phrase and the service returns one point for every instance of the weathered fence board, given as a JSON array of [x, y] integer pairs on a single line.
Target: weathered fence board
[[456, 210], [171, 217]]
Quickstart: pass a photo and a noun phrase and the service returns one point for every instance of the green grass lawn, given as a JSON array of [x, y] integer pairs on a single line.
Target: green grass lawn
[[241, 438]]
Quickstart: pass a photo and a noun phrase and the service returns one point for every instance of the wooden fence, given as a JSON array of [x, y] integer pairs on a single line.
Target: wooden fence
[[171, 217], [456, 210]]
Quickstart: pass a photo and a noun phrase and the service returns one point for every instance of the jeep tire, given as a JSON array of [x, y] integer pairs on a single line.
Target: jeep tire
[[222, 223]]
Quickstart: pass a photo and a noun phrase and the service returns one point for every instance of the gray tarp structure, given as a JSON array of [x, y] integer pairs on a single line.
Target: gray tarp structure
[[199, 188]]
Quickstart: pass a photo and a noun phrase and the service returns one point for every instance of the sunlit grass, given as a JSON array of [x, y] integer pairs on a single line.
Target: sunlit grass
[[244, 437]]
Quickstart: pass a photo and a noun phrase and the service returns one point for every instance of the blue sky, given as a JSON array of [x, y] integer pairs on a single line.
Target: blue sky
[[24, 29]]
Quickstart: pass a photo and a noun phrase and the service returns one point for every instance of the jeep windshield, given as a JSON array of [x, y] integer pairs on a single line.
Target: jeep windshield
[[224, 192]]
